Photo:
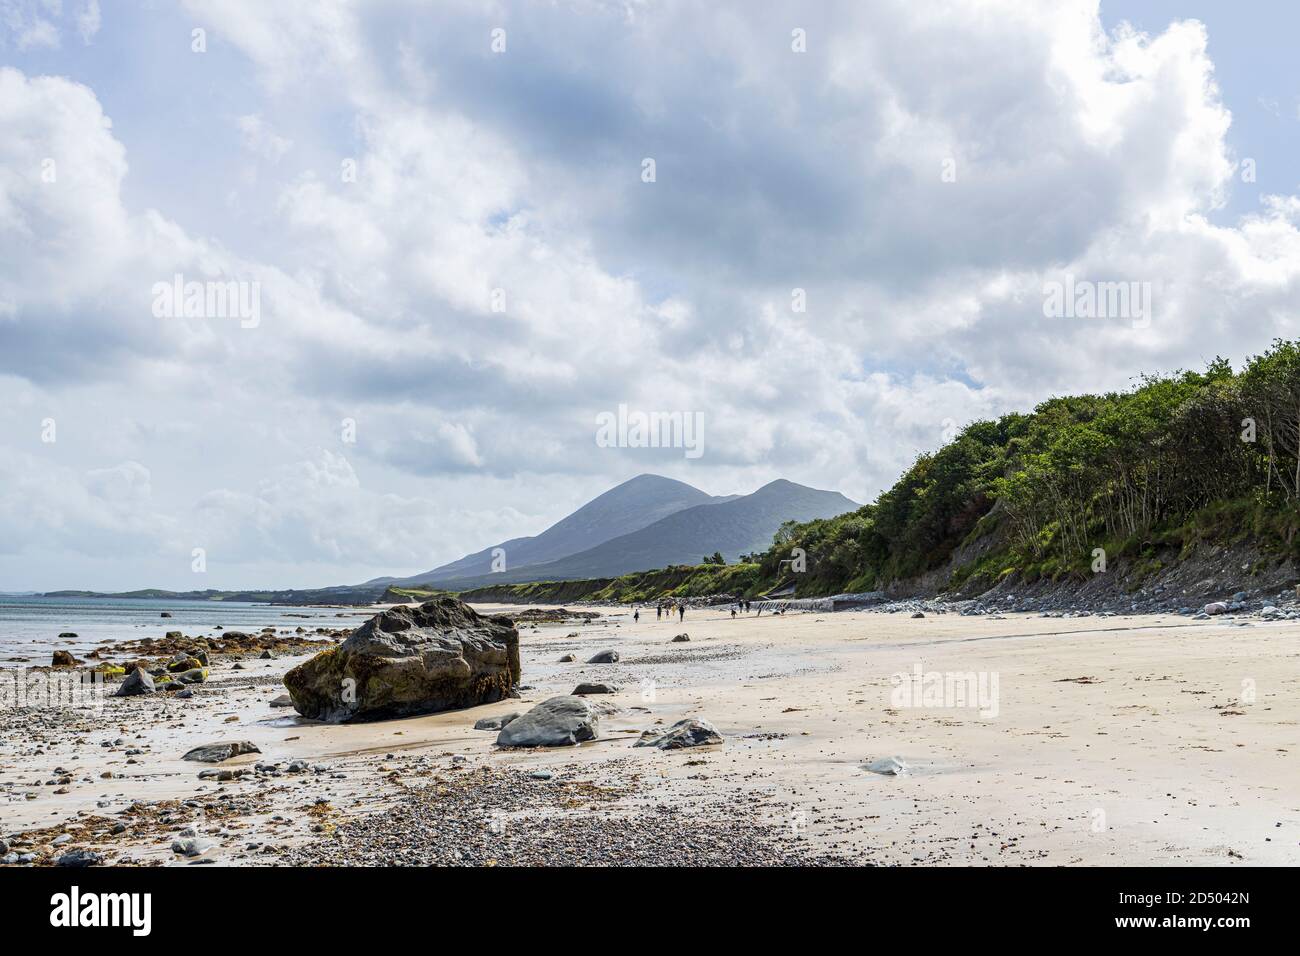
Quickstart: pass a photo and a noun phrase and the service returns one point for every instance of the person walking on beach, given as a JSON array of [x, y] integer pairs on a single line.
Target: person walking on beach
[[636, 616], [681, 612], [659, 612], [733, 613]]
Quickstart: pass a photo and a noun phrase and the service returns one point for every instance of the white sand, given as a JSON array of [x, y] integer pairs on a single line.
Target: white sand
[[1164, 758]]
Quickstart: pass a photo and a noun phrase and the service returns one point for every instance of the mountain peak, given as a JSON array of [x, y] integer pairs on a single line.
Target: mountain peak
[[645, 522]]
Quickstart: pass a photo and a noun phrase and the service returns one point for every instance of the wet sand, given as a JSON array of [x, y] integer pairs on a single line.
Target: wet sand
[[1150, 740]]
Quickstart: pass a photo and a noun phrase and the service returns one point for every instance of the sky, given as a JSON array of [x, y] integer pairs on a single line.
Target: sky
[[463, 232]]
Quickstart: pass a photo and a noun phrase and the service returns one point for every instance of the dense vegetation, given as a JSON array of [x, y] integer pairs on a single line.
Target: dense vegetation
[[1179, 458], [674, 582]]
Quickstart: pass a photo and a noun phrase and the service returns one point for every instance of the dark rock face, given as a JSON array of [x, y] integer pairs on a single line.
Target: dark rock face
[[438, 656], [558, 722]]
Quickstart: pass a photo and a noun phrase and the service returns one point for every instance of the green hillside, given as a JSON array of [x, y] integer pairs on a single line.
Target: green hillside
[[1147, 473]]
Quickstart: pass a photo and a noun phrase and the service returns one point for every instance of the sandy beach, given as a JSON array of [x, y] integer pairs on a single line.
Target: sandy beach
[[1144, 740]]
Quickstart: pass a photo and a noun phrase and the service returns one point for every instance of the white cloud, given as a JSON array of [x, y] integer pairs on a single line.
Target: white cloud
[[88, 21], [261, 140], [316, 507], [517, 176], [35, 25]]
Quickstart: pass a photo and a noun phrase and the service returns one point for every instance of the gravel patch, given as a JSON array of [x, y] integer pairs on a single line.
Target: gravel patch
[[491, 817]]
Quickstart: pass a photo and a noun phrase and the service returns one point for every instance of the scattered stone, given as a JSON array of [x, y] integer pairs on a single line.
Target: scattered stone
[[567, 659], [494, 723], [557, 722], [191, 846], [215, 753], [919, 614], [63, 659], [224, 775], [605, 657], [284, 700], [585, 688], [681, 638], [691, 732], [1215, 607], [137, 682], [888, 766], [79, 858]]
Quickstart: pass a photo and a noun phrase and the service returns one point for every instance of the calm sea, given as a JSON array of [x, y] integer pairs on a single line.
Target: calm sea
[[30, 626]]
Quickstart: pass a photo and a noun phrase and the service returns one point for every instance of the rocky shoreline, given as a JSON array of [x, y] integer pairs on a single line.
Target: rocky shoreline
[[756, 740]]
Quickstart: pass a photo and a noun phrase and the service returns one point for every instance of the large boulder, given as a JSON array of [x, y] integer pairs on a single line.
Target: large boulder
[[438, 656], [558, 722]]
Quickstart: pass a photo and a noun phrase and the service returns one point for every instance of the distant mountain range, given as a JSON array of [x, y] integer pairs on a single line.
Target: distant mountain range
[[625, 508], [646, 522]]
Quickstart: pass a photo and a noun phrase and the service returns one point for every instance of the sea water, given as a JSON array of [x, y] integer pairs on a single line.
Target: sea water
[[30, 626]]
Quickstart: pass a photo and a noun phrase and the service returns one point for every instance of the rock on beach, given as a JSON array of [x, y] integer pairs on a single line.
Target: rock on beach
[[557, 722], [405, 661]]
